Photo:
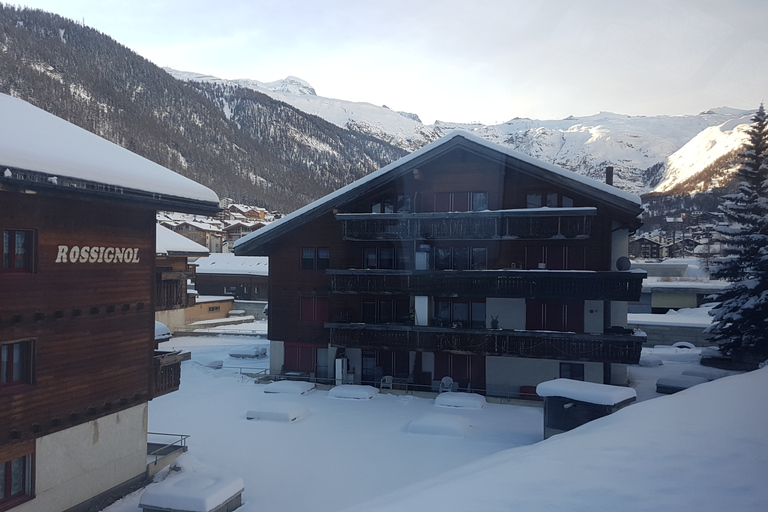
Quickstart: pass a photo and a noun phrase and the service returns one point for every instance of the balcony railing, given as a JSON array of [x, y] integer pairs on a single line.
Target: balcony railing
[[530, 223], [610, 348], [168, 371], [531, 284]]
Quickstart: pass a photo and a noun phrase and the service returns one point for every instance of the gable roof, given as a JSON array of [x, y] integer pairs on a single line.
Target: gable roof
[[629, 203], [170, 243], [39, 151]]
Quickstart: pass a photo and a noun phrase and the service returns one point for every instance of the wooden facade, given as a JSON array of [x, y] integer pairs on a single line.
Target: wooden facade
[[461, 251], [78, 292], [90, 324]]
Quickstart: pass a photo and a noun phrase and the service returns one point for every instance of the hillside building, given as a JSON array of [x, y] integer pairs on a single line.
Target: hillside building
[[464, 259], [79, 290]]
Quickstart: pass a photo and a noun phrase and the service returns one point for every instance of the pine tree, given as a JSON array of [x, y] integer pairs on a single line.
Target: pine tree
[[740, 324]]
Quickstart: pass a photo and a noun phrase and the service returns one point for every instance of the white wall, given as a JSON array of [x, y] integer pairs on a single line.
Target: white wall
[[421, 310], [277, 357], [619, 248], [504, 375], [510, 312], [593, 316], [76, 464]]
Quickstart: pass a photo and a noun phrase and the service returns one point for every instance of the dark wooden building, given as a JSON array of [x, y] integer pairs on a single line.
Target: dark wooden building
[[77, 301], [242, 277], [463, 259], [173, 272]]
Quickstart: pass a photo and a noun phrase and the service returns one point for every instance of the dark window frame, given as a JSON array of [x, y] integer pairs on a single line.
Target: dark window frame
[[315, 258], [19, 464], [10, 248], [17, 363]]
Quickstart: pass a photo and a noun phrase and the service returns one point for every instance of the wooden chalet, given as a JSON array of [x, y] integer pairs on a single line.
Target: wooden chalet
[[242, 277], [77, 214], [172, 273], [463, 259]]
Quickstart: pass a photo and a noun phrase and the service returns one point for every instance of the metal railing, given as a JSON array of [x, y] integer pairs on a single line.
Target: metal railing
[[163, 449]]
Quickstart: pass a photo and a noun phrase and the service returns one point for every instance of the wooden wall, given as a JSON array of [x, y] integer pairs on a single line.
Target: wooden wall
[[92, 323]]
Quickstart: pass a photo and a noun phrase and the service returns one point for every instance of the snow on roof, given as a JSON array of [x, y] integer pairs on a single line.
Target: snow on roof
[[194, 491], [171, 243], [600, 188], [38, 141], [226, 263], [591, 392]]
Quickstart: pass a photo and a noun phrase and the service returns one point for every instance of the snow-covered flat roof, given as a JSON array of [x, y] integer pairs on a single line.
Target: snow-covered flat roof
[[41, 142], [591, 392], [226, 263]]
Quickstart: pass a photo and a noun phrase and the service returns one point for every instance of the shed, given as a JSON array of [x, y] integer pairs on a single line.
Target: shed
[[571, 403]]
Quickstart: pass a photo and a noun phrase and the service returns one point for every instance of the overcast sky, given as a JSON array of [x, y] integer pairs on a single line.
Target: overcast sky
[[463, 61]]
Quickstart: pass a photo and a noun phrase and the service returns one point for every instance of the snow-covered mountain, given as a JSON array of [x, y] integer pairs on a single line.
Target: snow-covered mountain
[[647, 152], [401, 129]]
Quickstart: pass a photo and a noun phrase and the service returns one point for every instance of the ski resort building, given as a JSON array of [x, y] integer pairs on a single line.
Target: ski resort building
[[77, 300], [464, 259]]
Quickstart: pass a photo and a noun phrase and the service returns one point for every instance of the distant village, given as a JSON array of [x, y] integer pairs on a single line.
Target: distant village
[[218, 234]]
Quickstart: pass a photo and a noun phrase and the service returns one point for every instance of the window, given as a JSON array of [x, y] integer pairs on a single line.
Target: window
[[574, 371], [383, 311], [315, 258], [479, 258], [461, 201], [537, 199], [17, 250], [16, 478], [461, 258], [460, 314], [385, 258], [392, 204], [214, 308], [16, 363], [314, 309]]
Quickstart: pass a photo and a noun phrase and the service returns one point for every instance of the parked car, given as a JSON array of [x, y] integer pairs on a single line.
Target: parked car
[[162, 333]]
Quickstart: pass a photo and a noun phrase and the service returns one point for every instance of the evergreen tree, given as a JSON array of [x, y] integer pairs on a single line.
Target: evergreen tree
[[740, 324]]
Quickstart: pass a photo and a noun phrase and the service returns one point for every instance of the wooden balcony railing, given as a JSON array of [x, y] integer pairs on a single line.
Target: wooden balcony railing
[[531, 223], [610, 348], [531, 284], [171, 291], [167, 377]]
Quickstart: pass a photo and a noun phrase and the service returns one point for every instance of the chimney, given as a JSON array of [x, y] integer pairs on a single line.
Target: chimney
[[609, 175]]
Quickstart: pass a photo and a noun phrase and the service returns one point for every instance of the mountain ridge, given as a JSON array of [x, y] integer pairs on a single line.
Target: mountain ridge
[[645, 151]]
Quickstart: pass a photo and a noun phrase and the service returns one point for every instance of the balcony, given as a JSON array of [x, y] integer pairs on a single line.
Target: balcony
[[609, 348], [167, 377], [529, 223], [530, 284]]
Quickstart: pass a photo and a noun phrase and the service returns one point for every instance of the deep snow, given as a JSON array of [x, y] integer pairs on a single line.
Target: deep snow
[[701, 449]]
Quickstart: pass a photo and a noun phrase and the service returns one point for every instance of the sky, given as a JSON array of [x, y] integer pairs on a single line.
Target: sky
[[485, 61]]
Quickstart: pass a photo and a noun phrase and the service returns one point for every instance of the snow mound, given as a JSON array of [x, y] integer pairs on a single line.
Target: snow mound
[[461, 400], [673, 384], [440, 425], [353, 391], [216, 364], [708, 373], [197, 490], [290, 387], [278, 411], [248, 352], [650, 360]]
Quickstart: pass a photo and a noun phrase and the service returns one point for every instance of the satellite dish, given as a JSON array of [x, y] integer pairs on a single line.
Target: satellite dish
[[623, 263]]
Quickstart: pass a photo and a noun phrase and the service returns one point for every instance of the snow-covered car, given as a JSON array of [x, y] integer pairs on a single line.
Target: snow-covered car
[[162, 333]]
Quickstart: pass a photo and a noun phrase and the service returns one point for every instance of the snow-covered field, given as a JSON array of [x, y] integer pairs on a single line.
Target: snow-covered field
[[701, 449]]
